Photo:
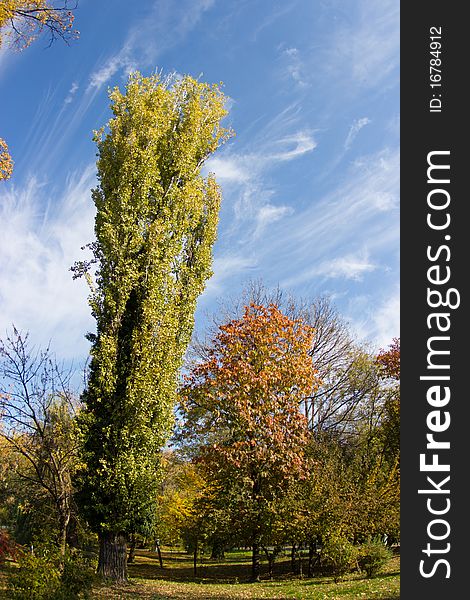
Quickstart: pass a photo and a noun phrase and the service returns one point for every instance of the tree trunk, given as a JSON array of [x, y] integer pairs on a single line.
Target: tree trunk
[[64, 518], [159, 552], [311, 553], [196, 548], [300, 562], [218, 550], [292, 558], [112, 561], [271, 556], [255, 563], [132, 546]]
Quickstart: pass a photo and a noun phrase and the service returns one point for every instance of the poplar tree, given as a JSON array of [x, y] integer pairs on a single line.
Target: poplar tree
[[156, 220]]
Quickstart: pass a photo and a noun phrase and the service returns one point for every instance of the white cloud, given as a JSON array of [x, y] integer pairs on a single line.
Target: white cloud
[[103, 74], [72, 91], [246, 167], [363, 52], [225, 267], [351, 266], [302, 142], [273, 16], [269, 214], [164, 26], [386, 320], [355, 220], [37, 292], [376, 325], [244, 176], [294, 66], [355, 128], [229, 169]]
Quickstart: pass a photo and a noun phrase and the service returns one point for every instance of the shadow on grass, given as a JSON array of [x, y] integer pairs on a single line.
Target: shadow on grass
[[178, 567]]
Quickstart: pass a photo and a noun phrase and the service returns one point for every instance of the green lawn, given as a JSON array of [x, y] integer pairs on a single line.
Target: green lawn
[[227, 580]]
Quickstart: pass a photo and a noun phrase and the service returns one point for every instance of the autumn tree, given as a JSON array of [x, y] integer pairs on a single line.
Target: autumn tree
[[334, 405], [6, 162], [22, 21], [37, 423], [241, 415], [371, 454], [155, 226]]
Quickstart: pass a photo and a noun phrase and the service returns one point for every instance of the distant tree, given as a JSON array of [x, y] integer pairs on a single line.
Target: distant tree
[[182, 485], [241, 415], [155, 226], [37, 422], [388, 361], [335, 405], [372, 454]]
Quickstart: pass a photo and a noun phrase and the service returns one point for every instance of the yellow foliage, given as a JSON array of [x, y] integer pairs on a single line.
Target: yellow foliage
[[6, 162], [24, 20]]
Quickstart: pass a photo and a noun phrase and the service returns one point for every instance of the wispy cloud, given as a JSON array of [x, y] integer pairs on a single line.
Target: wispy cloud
[[294, 66], [386, 319], [351, 266], [376, 322], [72, 91], [358, 218], [242, 167], [164, 27], [269, 214], [230, 168], [38, 247], [355, 128], [363, 52], [122, 61], [273, 16], [226, 267], [245, 175], [292, 146]]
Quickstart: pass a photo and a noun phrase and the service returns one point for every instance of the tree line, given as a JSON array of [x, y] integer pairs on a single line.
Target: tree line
[[266, 451]]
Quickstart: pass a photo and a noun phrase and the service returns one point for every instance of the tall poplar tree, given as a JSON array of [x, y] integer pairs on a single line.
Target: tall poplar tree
[[155, 227]]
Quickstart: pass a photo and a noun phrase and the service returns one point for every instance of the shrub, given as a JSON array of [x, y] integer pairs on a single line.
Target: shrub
[[372, 556], [36, 578], [77, 577], [42, 576], [340, 554]]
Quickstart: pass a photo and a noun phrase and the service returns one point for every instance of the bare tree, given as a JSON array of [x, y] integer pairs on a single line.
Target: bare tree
[[344, 367], [37, 412]]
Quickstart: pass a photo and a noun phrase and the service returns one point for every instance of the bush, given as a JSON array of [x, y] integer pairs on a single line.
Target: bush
[[76, 578], [41, 576], [372, 557], [340, 554], [36, 578]]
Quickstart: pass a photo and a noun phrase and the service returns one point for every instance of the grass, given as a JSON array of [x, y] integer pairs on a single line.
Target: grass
[[228, 580]]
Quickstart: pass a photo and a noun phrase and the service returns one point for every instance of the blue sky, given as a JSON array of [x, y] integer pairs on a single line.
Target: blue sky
[[310, 182]]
